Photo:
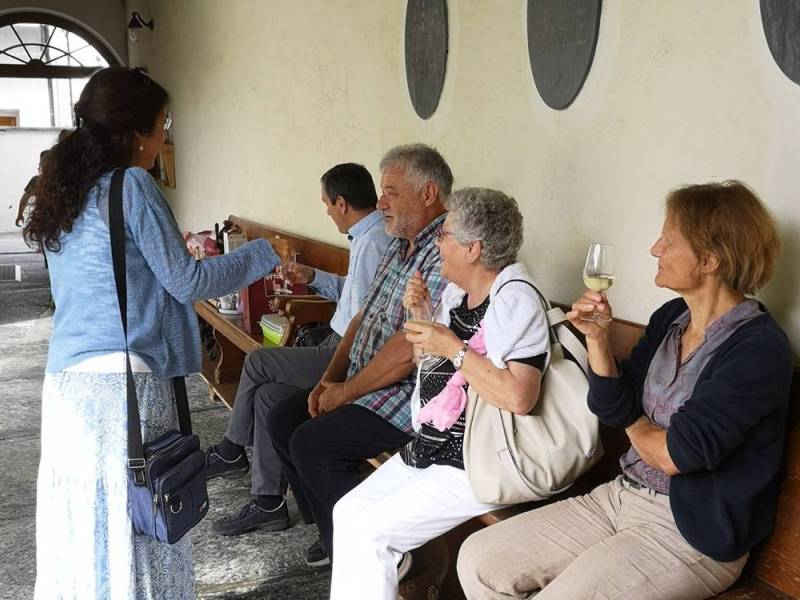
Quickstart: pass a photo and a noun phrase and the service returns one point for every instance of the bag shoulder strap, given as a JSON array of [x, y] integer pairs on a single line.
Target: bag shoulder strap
[[560, 334], [116, 225]]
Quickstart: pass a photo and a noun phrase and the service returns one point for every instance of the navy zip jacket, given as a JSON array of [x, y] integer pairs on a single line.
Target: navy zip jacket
[[726, 440]]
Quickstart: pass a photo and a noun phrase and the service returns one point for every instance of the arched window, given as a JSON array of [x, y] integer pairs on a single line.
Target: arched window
[[45, 61]]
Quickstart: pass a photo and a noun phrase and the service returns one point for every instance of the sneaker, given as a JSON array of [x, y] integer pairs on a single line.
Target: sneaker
[[252, 517], [216, 466], [316, 555], [405, 566]]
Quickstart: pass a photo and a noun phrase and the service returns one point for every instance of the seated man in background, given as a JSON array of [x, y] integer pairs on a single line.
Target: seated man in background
[[361, 406], [272, 374]]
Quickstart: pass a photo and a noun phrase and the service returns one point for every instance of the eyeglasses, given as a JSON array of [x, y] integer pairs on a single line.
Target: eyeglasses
[[168, 122], [442, 233]]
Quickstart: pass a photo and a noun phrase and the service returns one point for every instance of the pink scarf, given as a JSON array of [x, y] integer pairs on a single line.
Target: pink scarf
[[444, 409]]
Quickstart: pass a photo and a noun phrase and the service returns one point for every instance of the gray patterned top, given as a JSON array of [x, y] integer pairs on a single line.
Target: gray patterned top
[[670, 382]]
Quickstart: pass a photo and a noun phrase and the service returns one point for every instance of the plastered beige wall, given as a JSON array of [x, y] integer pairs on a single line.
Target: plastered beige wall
[[268, 94], [19, 161]]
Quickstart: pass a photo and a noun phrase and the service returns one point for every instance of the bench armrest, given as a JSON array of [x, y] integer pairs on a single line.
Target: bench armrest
[[300, 310]]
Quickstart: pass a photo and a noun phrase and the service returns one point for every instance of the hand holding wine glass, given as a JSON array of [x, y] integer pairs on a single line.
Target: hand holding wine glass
[[581, 312], [417, 302], [301, 273], [598, 274], [287, 269]]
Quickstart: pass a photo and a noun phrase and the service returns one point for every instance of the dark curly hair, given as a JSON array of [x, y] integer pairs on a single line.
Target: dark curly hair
[[116, 103]]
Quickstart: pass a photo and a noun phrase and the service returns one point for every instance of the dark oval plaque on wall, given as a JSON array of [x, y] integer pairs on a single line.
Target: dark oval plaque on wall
[[562, 36], [781, 19], [426, 53]]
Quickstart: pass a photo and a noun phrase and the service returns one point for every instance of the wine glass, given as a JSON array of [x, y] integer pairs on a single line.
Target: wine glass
[[287, 268], [598, 273], [420, 313]]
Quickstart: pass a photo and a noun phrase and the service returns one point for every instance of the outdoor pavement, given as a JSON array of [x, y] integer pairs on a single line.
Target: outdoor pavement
[[253, 566]]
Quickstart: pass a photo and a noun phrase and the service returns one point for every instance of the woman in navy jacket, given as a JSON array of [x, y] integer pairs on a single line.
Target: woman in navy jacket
[[703, 398]]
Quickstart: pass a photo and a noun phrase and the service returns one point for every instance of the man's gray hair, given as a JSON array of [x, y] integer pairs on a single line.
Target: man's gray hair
[[490, 217], [421, 164]]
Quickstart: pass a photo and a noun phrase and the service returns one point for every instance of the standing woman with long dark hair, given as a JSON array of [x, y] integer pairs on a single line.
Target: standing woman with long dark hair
[[85, 545]]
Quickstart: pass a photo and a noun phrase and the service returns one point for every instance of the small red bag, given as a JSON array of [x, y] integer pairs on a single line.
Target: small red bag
[[256, 301]]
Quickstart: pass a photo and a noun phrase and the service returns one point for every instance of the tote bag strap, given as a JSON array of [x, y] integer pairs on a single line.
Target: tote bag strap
[[560, 334], [116, 225]]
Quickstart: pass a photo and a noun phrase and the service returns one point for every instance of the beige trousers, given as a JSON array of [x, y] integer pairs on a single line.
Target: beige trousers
[[614, 543]]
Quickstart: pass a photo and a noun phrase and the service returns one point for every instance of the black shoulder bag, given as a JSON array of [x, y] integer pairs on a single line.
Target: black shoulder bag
[[167, 479]]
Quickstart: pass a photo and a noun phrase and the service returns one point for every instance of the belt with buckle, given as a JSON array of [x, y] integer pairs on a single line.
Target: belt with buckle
[[639, 486]]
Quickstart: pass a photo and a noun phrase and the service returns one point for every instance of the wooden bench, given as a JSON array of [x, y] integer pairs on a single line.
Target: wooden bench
[[233, 341], [772, 573]]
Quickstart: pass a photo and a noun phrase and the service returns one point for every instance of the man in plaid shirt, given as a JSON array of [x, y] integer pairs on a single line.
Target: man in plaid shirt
[[361, 407]]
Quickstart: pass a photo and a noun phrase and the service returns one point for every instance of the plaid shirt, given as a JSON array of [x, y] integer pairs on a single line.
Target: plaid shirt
[[384, 316]]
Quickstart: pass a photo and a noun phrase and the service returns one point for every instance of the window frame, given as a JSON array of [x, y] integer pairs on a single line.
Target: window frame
[[41, 71]]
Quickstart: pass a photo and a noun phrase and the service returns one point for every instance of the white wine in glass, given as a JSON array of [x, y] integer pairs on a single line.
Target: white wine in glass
[[598, 273], [420, 313], [598, 283], [287, 269]]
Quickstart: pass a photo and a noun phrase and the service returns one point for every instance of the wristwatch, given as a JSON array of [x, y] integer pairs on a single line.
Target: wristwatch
[[458, 359]]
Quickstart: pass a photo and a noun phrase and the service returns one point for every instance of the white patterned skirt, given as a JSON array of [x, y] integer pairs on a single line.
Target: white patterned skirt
[[85, 545]]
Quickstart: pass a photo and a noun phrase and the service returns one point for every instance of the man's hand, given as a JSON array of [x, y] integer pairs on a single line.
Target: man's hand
[[300, 273], [416, 291], [313, 400], [333, 396]]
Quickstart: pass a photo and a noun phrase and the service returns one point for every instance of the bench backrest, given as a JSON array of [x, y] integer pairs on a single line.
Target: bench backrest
[[320, 255], [777, 561]]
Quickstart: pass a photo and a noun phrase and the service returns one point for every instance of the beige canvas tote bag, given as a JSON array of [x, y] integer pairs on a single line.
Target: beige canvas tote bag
[[511, 458]]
